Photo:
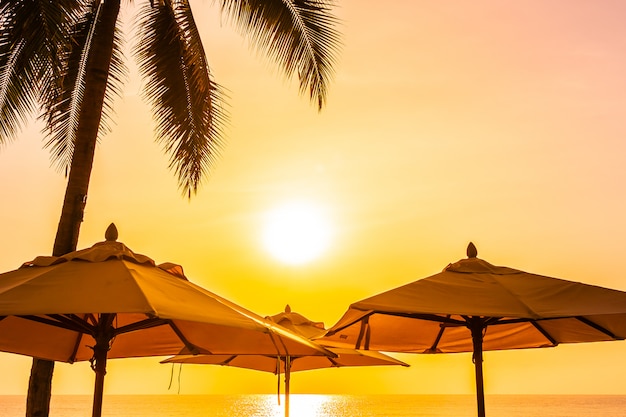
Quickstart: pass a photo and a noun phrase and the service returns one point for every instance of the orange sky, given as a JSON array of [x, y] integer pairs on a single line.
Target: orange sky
[[499, 122]]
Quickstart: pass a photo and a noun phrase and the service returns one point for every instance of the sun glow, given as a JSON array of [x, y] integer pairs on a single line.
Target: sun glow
[[296, 232]]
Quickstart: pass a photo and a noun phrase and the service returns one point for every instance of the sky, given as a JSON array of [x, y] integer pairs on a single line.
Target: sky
[[496, 122]]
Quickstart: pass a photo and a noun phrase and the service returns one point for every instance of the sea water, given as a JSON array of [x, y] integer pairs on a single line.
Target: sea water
[[309, 405]]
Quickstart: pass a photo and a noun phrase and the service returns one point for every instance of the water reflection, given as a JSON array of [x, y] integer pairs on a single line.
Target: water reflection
[[301, 405]]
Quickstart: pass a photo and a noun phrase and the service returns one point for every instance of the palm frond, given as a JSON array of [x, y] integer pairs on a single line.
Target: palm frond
[[118, 75], [31, 36], [63, 100], [300, 35], [63, 103], [188, 104]]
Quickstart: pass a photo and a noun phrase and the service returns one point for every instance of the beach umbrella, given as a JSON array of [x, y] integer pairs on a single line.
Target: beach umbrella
[[285, 364], [109, 302], [474, 306]]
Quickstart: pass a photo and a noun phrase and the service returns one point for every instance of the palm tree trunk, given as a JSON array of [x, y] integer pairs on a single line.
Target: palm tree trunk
[[40, 384]]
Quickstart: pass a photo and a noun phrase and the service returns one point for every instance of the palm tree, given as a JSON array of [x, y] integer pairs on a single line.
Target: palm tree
[[61, 61]]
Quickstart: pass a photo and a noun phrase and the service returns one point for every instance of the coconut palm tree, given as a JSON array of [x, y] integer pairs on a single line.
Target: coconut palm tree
[[61, 61]]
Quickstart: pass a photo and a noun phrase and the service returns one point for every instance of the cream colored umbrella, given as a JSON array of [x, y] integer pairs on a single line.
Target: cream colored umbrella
[[285, 364], [474, 306], [109, 302]]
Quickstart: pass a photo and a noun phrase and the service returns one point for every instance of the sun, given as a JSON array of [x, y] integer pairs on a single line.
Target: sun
[[296, 232]]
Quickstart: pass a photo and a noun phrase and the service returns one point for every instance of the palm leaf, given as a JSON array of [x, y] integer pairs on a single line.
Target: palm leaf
[[300, 35], [187, 102], [64, 99], [32, 34]]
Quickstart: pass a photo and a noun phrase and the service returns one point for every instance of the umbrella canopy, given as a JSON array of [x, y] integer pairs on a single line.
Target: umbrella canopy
[[298, 324], [286, 364], [473, 306], [276, 364], [109, 302]]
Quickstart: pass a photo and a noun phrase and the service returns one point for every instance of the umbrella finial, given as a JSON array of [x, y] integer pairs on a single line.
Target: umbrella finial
[[472, 252], [287, 309], [111, 234]]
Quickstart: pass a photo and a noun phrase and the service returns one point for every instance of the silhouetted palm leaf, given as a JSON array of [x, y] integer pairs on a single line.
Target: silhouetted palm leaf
[[32, 34], [64, 104], [45, 50], [299, 34], [187, 103]]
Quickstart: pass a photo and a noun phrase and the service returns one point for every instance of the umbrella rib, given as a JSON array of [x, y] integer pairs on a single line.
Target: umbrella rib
[[599, 328], [88, 323], [62, 322], [368, 336], [73, 322], [492, 320], [442, 328], [429, 317], [582, 319], [362, 332], [72, 357], [191, 347], [334, 362], [90, 318], [81, 322], [141, 325], [544, 332], [229, 360], [513, 321], [365, 331], [338, 329], [282, 342]]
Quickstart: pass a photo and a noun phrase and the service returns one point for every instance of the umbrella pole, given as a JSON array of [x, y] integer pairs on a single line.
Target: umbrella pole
[[100, 355], [103, 335], [278, 373], [476, 327], [287, 377]]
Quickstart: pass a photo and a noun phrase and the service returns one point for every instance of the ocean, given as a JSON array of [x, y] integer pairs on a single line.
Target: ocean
[[309, 405]]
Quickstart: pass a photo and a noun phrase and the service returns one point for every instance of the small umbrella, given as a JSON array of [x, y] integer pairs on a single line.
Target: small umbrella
[[286, 364], [474, 306], [109, 302]]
